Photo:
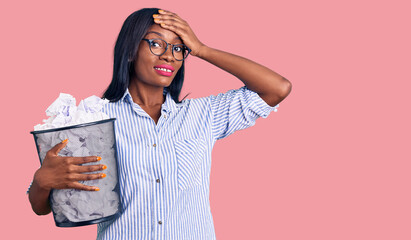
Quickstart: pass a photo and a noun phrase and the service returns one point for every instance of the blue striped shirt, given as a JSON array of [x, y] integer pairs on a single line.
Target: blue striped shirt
[[164, 168]]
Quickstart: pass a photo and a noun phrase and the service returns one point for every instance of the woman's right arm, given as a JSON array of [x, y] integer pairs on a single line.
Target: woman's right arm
[[61, 173]]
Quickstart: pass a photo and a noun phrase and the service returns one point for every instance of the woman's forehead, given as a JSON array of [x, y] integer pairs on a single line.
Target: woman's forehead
[[156, 31]]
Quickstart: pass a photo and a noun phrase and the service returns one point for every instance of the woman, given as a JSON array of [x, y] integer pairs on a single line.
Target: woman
[[164, 145]]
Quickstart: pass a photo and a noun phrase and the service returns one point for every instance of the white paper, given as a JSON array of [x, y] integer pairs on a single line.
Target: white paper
[[64, 112]]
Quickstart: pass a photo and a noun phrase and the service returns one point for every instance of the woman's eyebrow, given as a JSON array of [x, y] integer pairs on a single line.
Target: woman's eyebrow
[[161, 35]]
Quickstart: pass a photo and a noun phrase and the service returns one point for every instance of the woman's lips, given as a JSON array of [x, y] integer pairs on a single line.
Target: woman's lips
[[162, 72], [165, 70]]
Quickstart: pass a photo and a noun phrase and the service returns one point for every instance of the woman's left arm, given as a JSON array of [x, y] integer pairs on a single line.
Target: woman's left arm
[[271, 87]]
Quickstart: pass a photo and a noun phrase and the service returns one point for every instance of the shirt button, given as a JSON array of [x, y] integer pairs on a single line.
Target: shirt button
[[158, 180], [160, 222], [154, 145]]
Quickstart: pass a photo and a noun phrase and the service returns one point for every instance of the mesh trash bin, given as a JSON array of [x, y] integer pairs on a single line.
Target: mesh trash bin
[[72, 207]]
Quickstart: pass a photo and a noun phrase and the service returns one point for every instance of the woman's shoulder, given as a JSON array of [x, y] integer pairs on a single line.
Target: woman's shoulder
[[111, 108]]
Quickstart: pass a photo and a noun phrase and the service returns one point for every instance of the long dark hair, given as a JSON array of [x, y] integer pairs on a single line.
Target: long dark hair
[[125, 51]]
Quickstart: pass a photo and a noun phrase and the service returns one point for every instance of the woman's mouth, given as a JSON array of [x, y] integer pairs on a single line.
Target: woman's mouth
[[164, 70]]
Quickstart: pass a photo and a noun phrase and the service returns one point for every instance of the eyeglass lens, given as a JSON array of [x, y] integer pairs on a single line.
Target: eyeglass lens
[[158, 47]]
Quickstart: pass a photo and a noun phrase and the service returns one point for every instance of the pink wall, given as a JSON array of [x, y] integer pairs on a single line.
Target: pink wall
[[330, 164]]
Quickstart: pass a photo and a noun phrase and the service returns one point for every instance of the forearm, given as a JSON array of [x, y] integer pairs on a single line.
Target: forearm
[[271, 87], [39, 199]]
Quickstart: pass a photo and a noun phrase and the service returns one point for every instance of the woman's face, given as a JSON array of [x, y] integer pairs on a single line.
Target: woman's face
[[149, 68]]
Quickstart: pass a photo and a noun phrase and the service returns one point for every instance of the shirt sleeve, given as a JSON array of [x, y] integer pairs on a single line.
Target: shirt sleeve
[[236, 110], [28, 189]]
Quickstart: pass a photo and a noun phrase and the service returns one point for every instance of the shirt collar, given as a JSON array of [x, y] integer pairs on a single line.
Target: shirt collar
[[126, 97], [168, 106]]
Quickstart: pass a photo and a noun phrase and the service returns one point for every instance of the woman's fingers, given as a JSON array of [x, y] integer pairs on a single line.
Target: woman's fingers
[[53, 152], [57, 148], [88, 168], [170, 20], [79, 186], [82, 160], [176, 27], [165, 13], [170, 17], [72, 181], [173, 22], [85, 177], [64, 172]]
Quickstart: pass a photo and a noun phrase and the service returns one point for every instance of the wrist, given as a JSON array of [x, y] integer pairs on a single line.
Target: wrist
[[200, 51], [38, 182]]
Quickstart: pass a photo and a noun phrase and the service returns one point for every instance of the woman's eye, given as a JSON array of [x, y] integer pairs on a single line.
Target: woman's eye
[[178, 49], [155, 44]]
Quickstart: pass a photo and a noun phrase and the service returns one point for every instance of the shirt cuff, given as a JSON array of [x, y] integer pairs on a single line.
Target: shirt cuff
[[261, 107]]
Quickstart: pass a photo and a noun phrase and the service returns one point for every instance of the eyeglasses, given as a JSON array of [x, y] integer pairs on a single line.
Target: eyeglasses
[[159, 47]]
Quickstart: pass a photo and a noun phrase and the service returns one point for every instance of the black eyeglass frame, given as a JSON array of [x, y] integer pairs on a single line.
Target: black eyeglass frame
[[172, 49]]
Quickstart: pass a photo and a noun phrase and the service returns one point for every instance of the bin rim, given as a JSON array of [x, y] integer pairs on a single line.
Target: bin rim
[[89, 222], [73, 126]]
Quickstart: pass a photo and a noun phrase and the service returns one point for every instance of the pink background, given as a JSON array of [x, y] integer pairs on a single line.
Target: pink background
[[332, 163]]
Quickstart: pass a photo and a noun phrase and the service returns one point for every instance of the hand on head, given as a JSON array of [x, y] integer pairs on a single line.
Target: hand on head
[[173, 22]]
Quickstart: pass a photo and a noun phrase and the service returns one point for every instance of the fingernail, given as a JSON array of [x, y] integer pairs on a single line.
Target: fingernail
[[155, 15], [96, 189], [163, 25], [103, 175], [104, 167], [161, 11], [156, 20], [98, 158], [64, 141]]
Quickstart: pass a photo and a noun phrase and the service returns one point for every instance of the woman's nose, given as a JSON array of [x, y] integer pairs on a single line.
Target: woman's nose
[[168, 55]]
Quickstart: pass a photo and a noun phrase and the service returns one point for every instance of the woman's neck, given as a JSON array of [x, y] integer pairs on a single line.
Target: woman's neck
[[146, 95]]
